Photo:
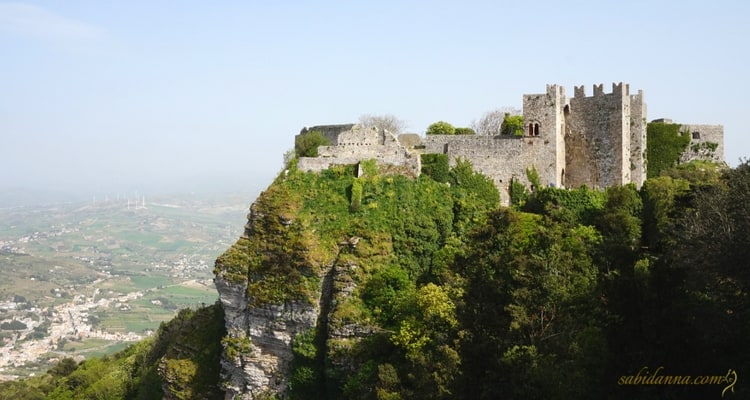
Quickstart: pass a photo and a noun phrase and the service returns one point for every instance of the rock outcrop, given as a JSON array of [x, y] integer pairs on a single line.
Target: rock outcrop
[[258, 346], [263, 367], [301, 312]]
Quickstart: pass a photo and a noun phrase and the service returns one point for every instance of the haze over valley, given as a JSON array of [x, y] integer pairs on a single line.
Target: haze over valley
[[82, 279]]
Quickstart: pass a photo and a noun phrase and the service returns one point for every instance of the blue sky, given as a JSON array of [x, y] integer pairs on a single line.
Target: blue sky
[[95, 95]]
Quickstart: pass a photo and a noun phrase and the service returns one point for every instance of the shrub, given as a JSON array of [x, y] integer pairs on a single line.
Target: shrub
[[436, 167], [306, 145], [441, 128], [518, 193], [464, 131], [512, 125]]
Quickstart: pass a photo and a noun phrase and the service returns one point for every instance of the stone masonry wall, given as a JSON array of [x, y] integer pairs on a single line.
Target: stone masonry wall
[[638, 139], [544, 117], [598, 138], [360, 143], [700, 136], [501, 158], [330, 132], [597, 141]]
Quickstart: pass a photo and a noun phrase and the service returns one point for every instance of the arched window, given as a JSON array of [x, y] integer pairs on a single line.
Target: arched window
[[531, 129], [536, 129]]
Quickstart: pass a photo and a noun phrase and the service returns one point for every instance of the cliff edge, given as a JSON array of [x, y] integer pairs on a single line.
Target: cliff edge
[[313, 281]]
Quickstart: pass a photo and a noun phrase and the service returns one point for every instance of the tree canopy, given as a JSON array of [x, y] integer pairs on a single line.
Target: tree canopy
[[441, 128], [306, 145]]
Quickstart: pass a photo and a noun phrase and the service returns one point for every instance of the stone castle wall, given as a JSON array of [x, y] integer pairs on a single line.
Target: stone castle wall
[[501, 158], [638, 127], [330, 132], [700, 136], [355, 143], [597, 141]]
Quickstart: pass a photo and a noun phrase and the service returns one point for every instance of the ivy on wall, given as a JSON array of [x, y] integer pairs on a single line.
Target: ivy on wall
[[665, 145]]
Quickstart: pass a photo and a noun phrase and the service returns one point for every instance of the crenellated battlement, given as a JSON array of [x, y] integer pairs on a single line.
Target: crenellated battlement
[[617, 89]]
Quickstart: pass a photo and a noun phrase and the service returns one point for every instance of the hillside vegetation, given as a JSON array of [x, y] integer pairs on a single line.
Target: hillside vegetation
[[565, 295]]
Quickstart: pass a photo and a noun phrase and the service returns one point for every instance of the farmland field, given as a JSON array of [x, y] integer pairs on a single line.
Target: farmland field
[[99, 275]]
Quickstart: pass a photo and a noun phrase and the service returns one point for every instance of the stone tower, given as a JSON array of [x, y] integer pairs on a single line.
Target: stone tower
[[605, 136], [544, 118]]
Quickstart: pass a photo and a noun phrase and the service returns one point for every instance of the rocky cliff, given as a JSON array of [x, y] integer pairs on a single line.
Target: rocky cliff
[[278, 281], [317, 284], [261, 320]]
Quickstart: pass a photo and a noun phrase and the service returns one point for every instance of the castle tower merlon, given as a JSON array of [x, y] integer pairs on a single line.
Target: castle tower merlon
[[599, 90], [620, 89], [555, 90], [638, 96], [579, 91]]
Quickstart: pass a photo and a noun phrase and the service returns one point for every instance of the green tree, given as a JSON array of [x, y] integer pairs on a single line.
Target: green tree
[[533, 176], [464, 131], [441, 128], [518, 193], [426, 336], [474, 195], [659, 195], [306, 145], [14, 325], [436, 167], [385, 291], [620, 226], [512, 125], [529, 310], [64, 367], [701, 275], [491, 122]]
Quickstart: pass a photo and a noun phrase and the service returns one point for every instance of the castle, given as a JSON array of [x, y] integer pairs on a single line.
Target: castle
[[597, 140]]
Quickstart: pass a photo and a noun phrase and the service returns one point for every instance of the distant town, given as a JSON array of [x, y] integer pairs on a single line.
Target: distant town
[[85, 280]]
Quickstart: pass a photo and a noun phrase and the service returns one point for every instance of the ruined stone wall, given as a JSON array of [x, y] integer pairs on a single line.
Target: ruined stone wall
[[597, 141], [597, 138], [360, 143], [501, 158], [330, 132], [409, 140], [701, 136]]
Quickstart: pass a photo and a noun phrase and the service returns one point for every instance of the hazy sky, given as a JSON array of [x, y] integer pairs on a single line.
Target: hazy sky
[[96, 94]]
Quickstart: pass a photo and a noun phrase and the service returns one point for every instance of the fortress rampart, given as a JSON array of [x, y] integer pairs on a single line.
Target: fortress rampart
[[597, 141], [354, 143], [706, 143]]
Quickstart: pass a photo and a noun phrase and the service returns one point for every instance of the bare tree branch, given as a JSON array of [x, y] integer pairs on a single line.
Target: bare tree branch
[[389, 122], [491, 121]]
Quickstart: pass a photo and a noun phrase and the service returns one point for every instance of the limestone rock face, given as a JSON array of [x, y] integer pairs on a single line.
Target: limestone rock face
[[264, 367], [258, 347], [283, 278]]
